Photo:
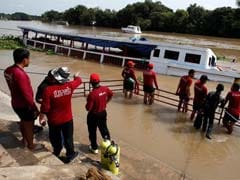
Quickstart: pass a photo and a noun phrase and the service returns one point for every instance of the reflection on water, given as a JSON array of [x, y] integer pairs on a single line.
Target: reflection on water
[[159, 130]]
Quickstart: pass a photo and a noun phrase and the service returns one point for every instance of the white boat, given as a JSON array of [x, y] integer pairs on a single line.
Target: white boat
[[132, 29], [169, 59], [176, 60]]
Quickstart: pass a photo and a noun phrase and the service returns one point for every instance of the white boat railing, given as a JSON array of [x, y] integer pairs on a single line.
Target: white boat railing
[[85, 52]]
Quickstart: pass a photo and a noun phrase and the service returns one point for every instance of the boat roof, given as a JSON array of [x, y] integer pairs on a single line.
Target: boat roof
[[103, 41], [143, 47]]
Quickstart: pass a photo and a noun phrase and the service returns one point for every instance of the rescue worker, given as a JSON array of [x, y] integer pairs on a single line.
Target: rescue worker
[[56, 109], [232, 112], [212, 101], [183, 90], [200, 94], [97, 115], [149, 77], [22, 99], [129, 80]]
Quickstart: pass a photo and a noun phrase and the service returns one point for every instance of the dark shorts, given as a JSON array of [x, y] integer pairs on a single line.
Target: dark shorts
[[184, 97], [128, 85], [230, 117], [26, 114], [197, 106], [148, 89]]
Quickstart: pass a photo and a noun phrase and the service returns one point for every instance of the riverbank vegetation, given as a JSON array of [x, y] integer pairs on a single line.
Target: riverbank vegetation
[[150, 16], [10, 42], [18, 16], [154, 16]]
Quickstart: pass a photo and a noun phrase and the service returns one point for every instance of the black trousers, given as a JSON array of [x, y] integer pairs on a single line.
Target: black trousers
[[208, 121], [59, 134], [95, 120]]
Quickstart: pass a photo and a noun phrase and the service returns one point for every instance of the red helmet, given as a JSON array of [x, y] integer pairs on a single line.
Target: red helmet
[[94, 78], [150, 65], [130, 64]]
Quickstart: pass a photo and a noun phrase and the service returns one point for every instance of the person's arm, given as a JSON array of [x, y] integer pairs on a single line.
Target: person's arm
[[45, 107], [89, 104], [225, 100], [109, 95], [155, 80], [25, 89], [76, 81]]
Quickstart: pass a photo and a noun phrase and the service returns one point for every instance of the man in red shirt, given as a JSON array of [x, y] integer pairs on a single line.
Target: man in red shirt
[[183, 90], [97, 116], [200, 94], [22, 95], [149, 77], [56, 105], [232, 112], [129, 80]]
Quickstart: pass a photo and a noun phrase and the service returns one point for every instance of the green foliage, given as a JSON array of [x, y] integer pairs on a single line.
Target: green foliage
[[10, 42], [19, 16], [155, 16]]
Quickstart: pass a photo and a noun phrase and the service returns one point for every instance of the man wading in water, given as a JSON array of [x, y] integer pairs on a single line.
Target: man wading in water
[[129, 80], [183, 90]]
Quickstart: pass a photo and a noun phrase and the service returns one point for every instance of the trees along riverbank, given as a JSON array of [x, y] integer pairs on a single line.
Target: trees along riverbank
[[10, 42]]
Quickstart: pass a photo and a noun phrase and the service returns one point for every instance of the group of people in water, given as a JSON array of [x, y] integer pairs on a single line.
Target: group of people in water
[[205, 104], [55, 92]]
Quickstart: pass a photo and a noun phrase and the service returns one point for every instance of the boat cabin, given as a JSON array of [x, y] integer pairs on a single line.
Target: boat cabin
[[165, 55]]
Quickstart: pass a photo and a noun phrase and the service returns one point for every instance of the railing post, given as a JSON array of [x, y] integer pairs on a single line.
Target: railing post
[[55, 49], [123, 62], [102, 58], [84, 55], [69, 51], [221, 115]]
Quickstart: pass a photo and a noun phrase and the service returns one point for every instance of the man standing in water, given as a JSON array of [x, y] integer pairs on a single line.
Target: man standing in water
[[212, 101], [22, 95], [149, 77], [129, 80], [56, 105], [97, 115], [183, 90], [232, 112], [200, 94]]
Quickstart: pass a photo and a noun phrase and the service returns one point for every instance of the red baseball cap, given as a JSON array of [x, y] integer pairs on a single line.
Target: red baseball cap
[[150, 65], [130, 63], [94, 78]]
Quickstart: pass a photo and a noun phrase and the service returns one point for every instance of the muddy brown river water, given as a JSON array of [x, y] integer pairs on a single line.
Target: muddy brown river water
[[157, 130]]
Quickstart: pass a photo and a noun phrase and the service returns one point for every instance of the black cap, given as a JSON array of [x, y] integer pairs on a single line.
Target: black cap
[[204, 78], [220, 87]]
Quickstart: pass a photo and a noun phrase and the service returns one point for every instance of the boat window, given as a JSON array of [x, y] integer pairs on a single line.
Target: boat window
[[213, 62], [156, 53], [173, 55], [193, 58]]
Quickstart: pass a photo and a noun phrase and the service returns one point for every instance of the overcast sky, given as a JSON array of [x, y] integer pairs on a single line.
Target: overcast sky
[[37, 7]]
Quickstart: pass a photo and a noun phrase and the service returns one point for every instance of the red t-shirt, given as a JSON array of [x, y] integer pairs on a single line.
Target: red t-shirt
[[57, 101], [185, 82], [200, 92], [98, 98], [20, 87], [149, 77], [129, 73], [234, 103]]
